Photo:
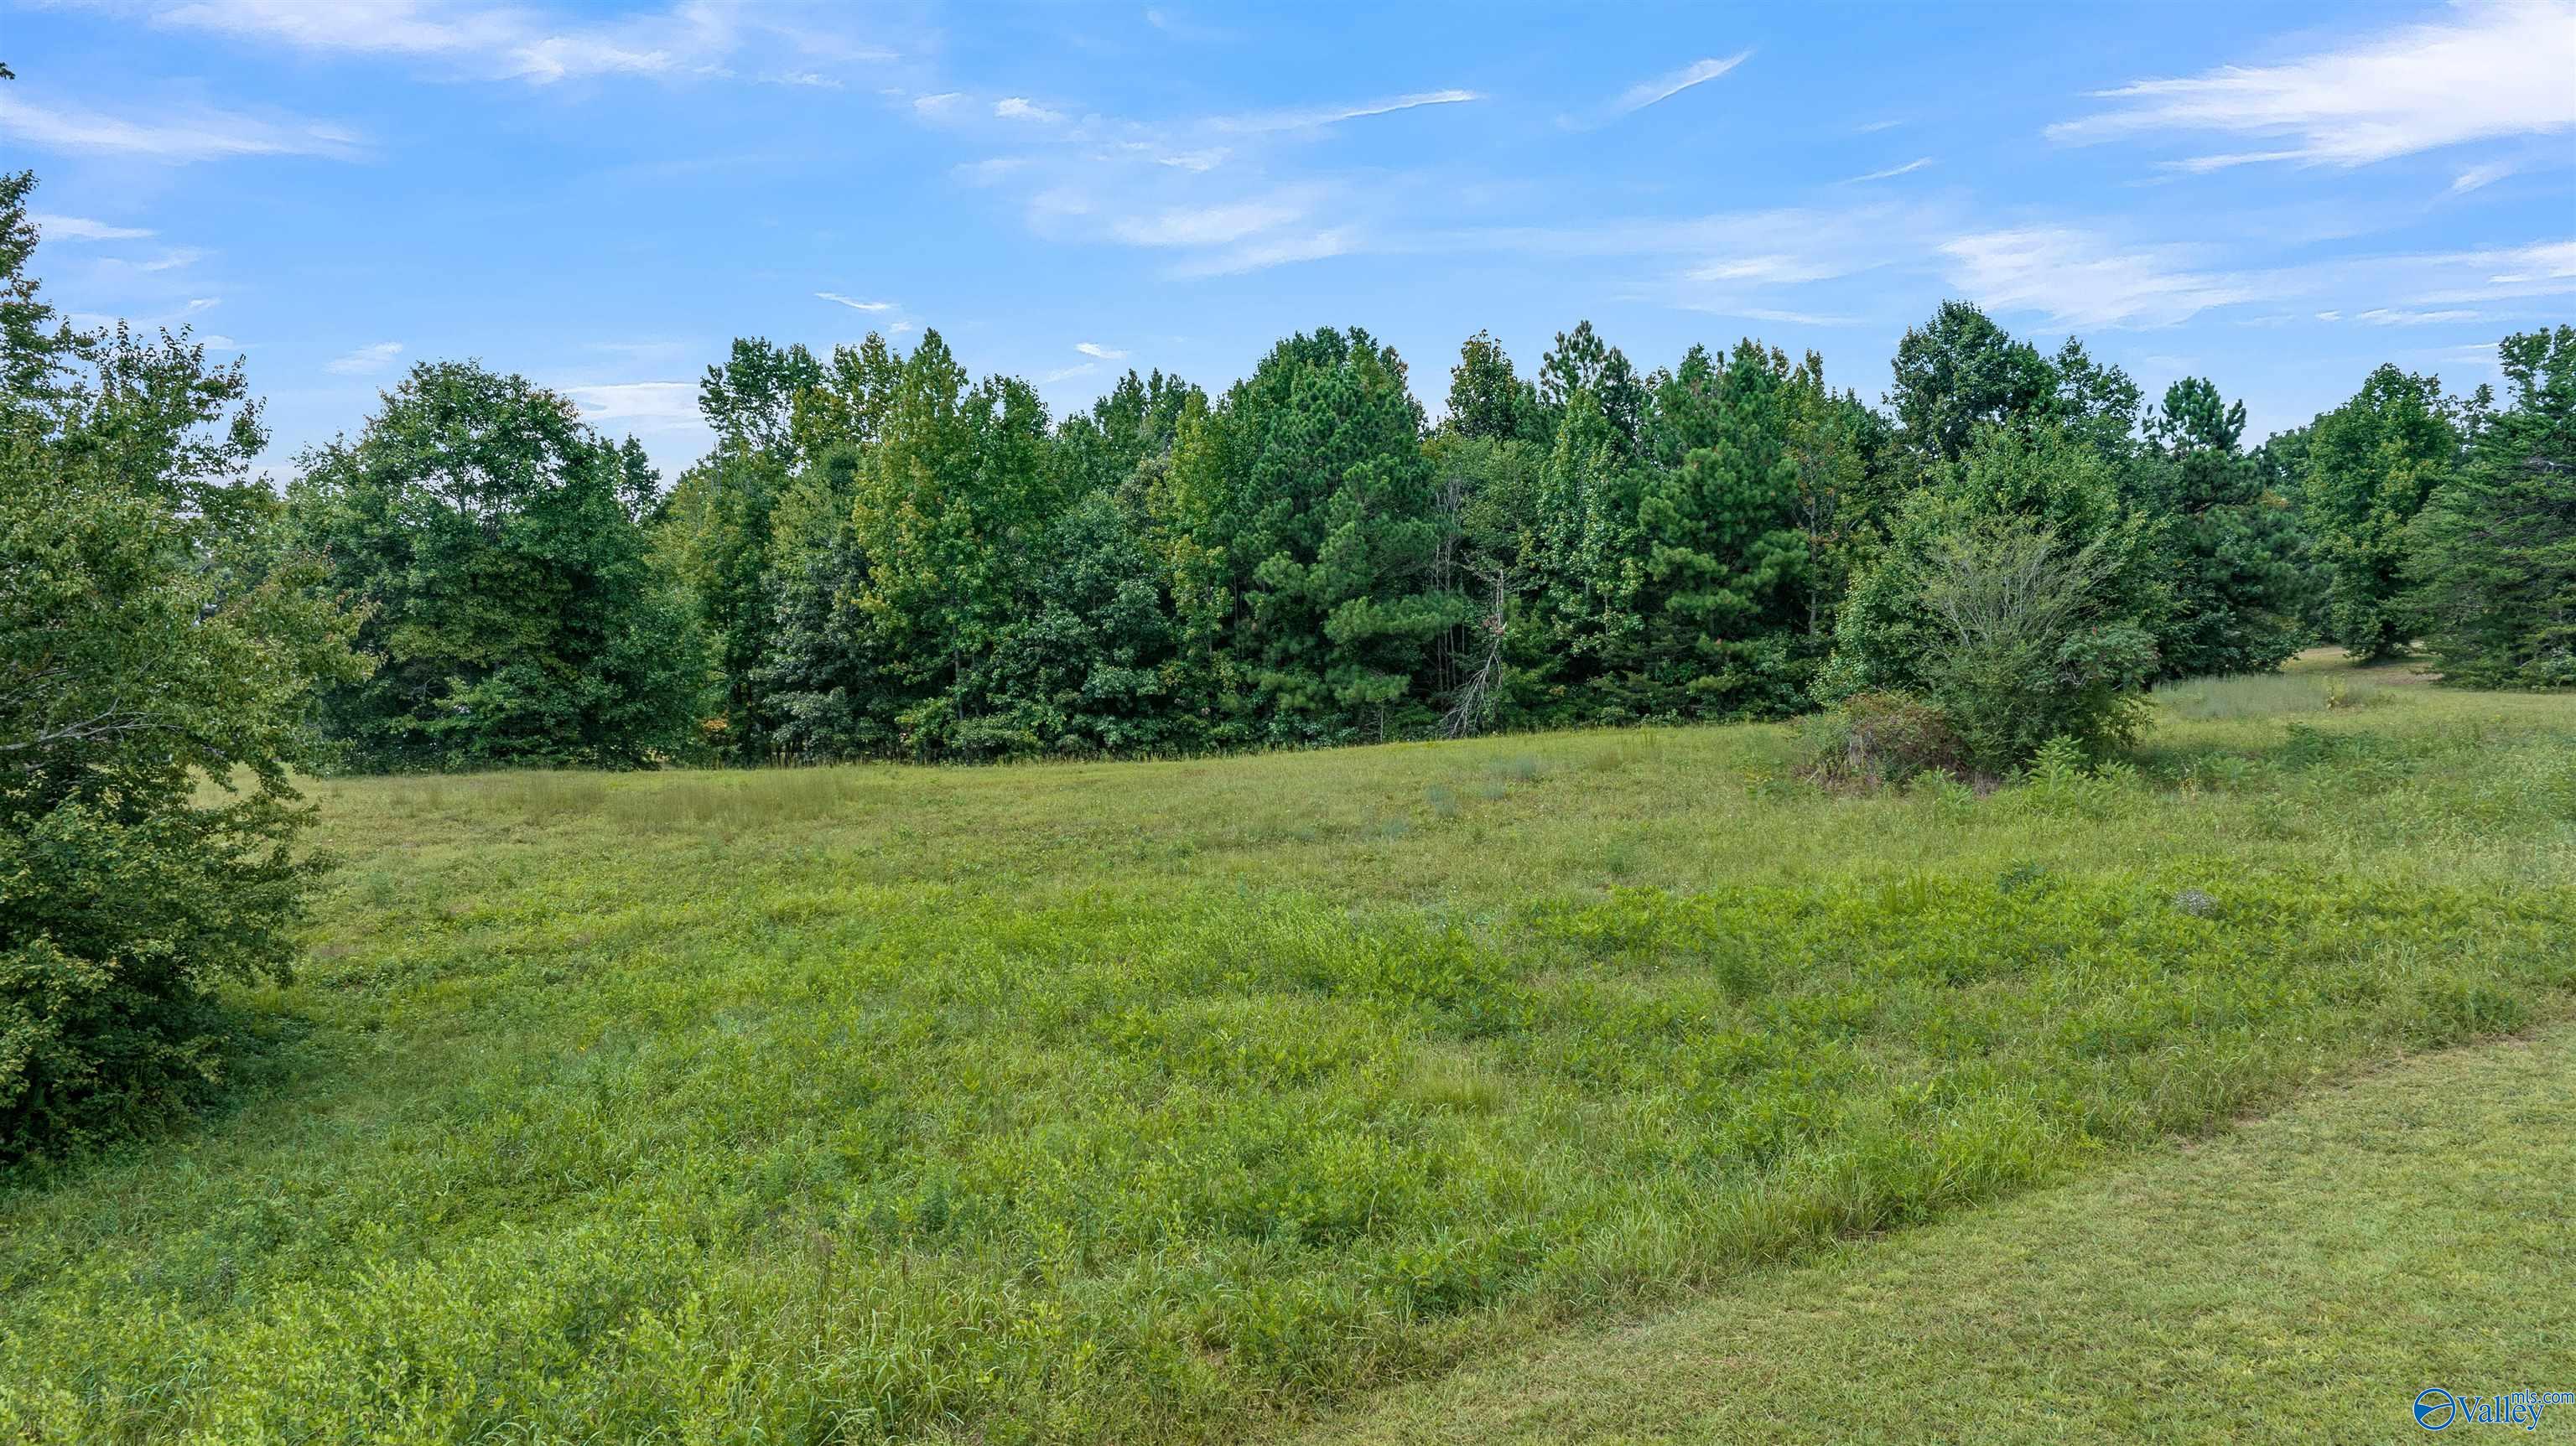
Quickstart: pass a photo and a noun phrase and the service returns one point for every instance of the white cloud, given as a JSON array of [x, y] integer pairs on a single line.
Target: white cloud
[[201, 135], [1271, 251], [1891, 173], [852, 302], [1294, 120], [1778, 269], [2083, 279], [1095, 349], [2384, 316], [2488, 70], [1016, 107], [638, 406], [2478, 176], [1664, 87], [1204, 160], [366, 360], [1067, 373], [1209, 225], [687, 37], [1773, 314], [2549, 261], [937, 105], [81, 228], [91, 321], [2547, 268]]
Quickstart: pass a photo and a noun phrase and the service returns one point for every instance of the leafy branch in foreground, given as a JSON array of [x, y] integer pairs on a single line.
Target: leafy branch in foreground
[[156, 648]]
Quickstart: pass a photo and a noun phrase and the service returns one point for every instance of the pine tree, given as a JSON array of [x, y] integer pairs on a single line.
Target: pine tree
[[2227, 545], [1724, 557], [1311, 484], [2493, 553]]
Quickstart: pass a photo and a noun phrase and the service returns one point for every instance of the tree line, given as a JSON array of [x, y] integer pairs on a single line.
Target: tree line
[[883, 557]]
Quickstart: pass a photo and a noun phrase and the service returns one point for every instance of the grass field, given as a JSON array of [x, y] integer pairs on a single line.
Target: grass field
[[2300, 1280], [1169, 1101]]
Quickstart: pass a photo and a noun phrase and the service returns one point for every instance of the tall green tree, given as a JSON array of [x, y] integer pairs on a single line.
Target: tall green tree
[[1581, 362], [1314, 487], [1488, 399], [2228, 546], [952, 502], [1582, 639], [157, 648], [2372, 463], [497, 546], [1725, 558], [2493, 552], [1959, 372]]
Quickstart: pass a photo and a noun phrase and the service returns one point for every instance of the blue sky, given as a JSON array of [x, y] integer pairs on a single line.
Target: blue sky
[[601, 196]]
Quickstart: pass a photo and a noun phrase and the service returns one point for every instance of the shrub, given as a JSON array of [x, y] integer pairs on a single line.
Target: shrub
[[1881, 738], [2026, 652]]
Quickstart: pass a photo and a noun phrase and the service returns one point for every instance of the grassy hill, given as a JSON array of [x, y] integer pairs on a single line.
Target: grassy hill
[[1162, 1101]]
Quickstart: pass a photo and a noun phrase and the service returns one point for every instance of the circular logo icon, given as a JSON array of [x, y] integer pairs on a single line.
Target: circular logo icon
[[2435, 1409]]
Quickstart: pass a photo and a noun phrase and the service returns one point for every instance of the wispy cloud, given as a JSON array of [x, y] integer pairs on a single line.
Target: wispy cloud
[[1095, 349], [1017, 107], [183, 315], [1060, 374], [81, 228], [2488, 70], [2389, 316], [365, 361], [2546, 268], [689, 37], [1268, 251], [198, 135], [1781, 269], [2476, 177], [638, 406], [1891, 173], [178, 259], [1652, 92], [852, 302], [1216, 225], [1308, 119], [2082, 278]]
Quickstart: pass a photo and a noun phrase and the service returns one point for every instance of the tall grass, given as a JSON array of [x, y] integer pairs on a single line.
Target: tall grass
[[1147, 1102]]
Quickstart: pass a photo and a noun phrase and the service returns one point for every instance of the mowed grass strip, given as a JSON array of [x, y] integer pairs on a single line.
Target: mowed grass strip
[[1164, 1101], [2301, 1279]]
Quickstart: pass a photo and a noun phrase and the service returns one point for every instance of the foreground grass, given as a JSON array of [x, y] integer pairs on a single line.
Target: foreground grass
[[2300, 1281], [1142, 1102]]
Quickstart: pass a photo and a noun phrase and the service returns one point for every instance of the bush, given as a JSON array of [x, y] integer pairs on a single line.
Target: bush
[[2027, 652], [1881, 738]]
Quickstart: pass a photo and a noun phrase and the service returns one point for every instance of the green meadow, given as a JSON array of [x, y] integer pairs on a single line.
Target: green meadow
[[1175, 1101]]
